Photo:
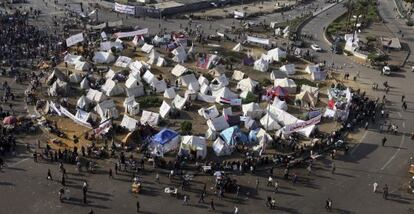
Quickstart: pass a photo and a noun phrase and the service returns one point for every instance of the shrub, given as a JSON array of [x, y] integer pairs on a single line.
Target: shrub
[[250, 98], [265, 82], [186, 127], [150, 101]]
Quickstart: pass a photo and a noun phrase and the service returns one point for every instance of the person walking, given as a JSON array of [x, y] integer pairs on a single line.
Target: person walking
[[110, 173], [201, 200], [236, 210], [186, 199], [157, 178], [84, 191], [116, 169], [294, 179], [375, 186], [333, 167], [309, 168], [138, 207], [270, 181], [63, 181], [403, 98], [257, 184], [384, 140], [276, 187], [385, 192], [328, 205], [61, 193], [212, 205], [49, 175]]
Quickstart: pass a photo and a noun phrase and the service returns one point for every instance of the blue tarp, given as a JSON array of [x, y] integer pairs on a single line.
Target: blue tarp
[[164, 136], [253, 135], [233, 135]]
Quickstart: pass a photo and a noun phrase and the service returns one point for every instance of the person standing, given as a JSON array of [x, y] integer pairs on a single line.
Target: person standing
[[384, 140], [257, 184], [375, 186], [236, 210], [333, 167], [185, 202], [270, 181], [138, 207], [63, 180], [84, 190], [61, 193], [276, 187], [157, 178], [110, 173], [328, 204], [49, 175], [116, 169]]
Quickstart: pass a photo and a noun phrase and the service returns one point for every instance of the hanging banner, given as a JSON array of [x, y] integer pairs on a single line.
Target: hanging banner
[[258, 40], [103, 127], [301, 125], [53, 106], [75, 39], [75, 119], [131, 33], [122, 8]]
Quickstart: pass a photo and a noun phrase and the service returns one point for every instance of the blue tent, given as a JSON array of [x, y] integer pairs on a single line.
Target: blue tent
[[164, 136], [233, 135], [253, 135]]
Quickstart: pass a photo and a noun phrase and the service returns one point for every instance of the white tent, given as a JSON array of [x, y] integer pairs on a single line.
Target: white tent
[[225, 93], [194, 144], [277, 54], [153, 57], [95, 96], [107, 109], [247, 84], [313, 90], [59, 88], [318, 75], [179, 54], [75, 78], [217, 71], [312, 68], [103, 57], [219, 82], [123, 61], [269, 122], [56, 75], [179, 102], [82, 66], [276, 74], [179, 70], [148, 77], [238, 75], [161, 62], [237, 48], [129, 123], [261, 65], [287, 84], [134, 87], [218, 124], [158, 85], [82, 102], [221, 148], [202, 80], [72, 59], [165, 109], [147, 48], [106, 46], [208, 113], [244, 94], [252, 110], [280, 104], [110, 74], [289, 69], [186, 80], [111, 88], [139, 66], [150, 118], [169, 93], [131, 106], [205, 89], [84, 84], [306, 98]]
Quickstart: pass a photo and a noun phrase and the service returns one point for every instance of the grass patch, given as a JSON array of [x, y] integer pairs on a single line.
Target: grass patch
[[149, 101]]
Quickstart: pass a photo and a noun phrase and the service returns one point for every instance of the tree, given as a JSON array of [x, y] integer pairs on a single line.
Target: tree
[[186, 127]]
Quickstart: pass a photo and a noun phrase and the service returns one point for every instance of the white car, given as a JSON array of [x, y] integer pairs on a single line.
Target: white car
[[386, 70], [316, 47]]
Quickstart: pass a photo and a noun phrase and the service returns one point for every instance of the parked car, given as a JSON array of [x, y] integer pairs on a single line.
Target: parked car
[[316, 47], [386, 70]]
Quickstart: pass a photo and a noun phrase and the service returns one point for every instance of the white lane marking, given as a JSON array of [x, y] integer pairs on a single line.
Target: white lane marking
[[360, 140], [399, 114], [395, 154], [18, 162]]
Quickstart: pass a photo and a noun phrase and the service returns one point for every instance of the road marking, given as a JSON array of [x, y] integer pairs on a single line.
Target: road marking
[[360, 140], [395, 154], [18, 162]]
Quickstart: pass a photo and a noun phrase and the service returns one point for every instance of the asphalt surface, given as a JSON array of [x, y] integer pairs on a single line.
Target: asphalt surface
[[24, 187]]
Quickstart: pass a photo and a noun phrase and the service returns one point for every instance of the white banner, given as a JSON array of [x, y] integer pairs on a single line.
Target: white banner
[[75, 119], [103, 127], [75, 39], [131, 33], [238, 15], [127, 9], [258, 40], [301, 125]]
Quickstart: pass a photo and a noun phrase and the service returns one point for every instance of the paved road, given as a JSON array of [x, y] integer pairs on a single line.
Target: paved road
[[369, 161]]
